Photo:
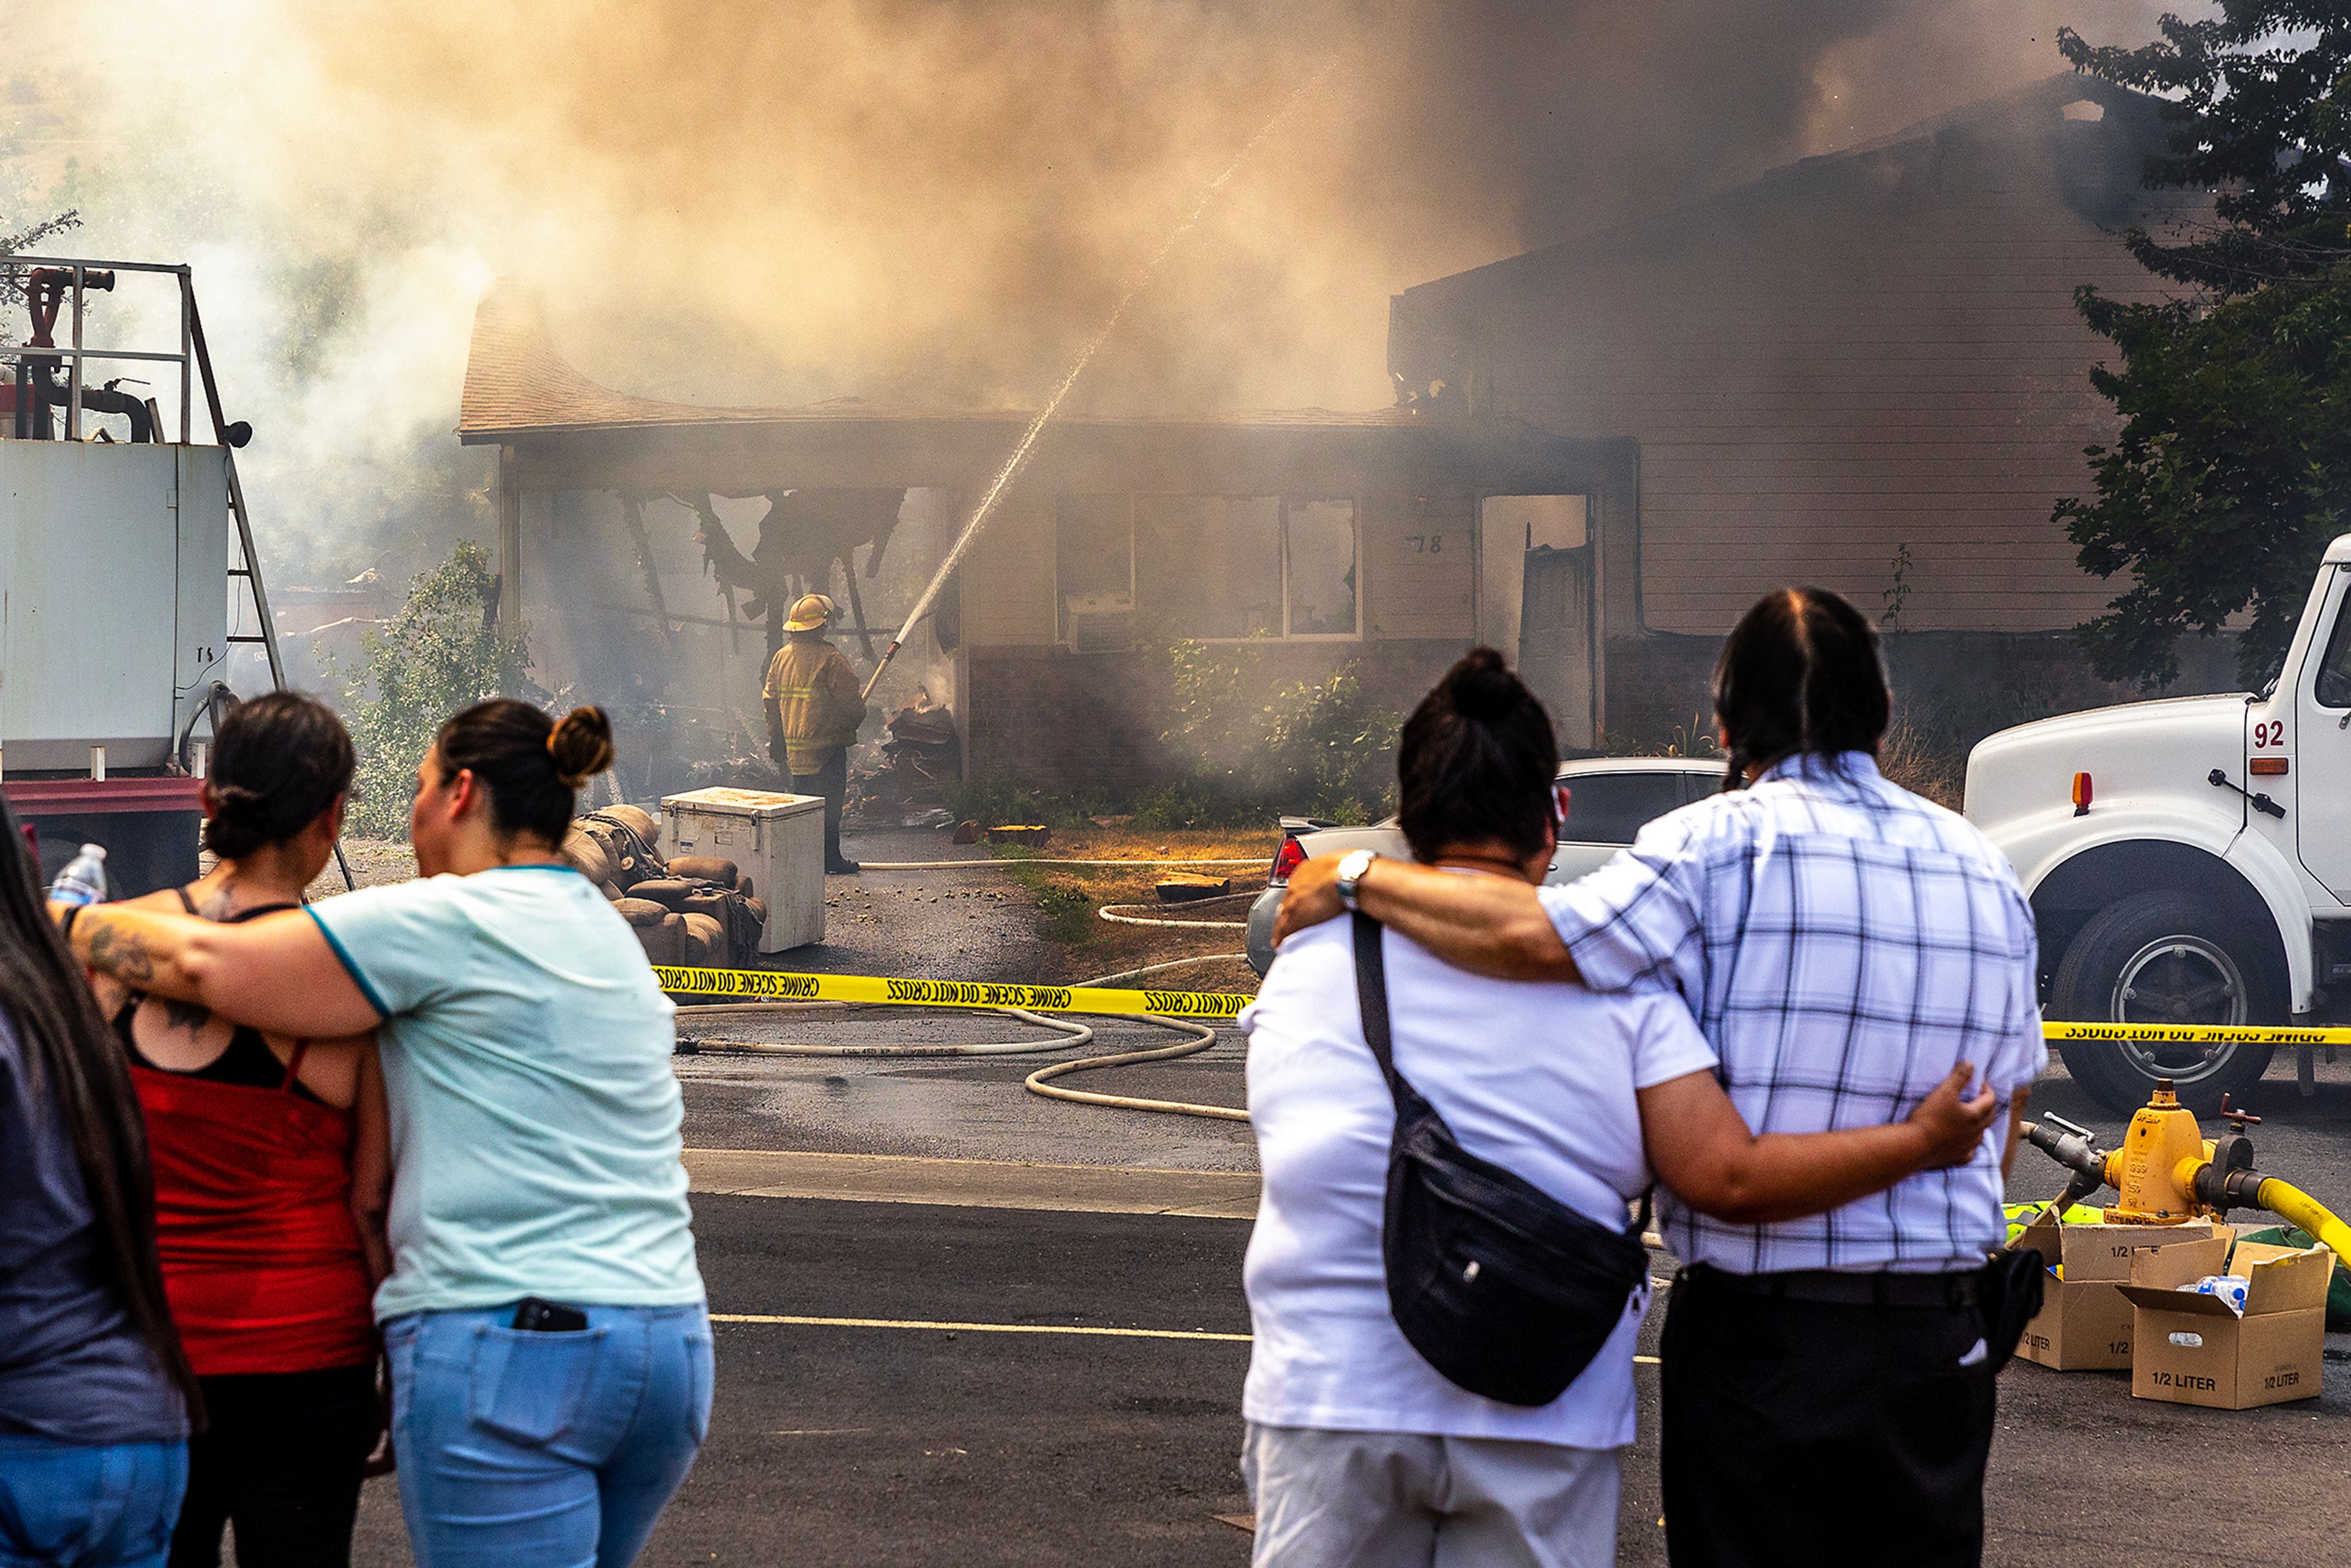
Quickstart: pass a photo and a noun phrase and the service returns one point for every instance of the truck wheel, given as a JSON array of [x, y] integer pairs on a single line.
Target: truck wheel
[[2165, 957]]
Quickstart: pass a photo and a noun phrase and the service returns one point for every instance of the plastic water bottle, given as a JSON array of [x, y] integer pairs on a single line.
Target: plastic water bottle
[[84, 879]]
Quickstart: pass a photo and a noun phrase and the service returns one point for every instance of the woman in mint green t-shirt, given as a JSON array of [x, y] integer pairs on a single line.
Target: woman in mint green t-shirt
[[549, 1347]]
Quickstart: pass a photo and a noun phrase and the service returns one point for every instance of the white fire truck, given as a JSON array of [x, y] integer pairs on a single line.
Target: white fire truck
[[2189, 861], [116, 576]]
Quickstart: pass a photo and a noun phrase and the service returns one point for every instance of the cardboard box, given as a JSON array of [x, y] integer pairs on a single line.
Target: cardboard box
[[2191, 1349], [2084, 1324]]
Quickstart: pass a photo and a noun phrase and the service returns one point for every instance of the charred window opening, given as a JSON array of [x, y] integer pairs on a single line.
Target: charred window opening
[[1094, 563], [1224, 559], [1319, 554]]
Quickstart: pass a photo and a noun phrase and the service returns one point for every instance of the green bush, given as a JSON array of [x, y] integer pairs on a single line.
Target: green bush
[[1319, 747], [1239, 749], [442, 652], [1200, 804], [994, 802]]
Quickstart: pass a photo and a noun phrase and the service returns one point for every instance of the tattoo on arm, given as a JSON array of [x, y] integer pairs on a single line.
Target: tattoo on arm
[[121, 954]]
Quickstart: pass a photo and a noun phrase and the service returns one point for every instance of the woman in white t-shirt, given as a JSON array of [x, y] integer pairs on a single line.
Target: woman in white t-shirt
[[1358, 1451]]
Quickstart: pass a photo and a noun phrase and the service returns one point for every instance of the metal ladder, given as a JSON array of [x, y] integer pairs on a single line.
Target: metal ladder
[[194, 352], [250, 568]]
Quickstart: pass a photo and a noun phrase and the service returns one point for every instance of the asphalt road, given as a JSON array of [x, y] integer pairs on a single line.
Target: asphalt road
[[855, 1445], [860, 1445], [969, 1108], [912, 1448], [951, 926]]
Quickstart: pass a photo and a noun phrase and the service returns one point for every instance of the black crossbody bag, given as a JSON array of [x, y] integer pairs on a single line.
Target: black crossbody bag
[[1503, 1289]]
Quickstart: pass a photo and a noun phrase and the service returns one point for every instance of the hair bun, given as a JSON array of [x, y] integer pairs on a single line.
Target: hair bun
[[1483, 687], [238, 799], [581, 745]]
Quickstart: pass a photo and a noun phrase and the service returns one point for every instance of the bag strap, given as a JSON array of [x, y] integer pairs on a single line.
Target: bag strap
[[1372, 997]]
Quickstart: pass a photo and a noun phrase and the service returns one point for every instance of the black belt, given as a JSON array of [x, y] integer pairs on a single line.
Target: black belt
[[1828, 1287]]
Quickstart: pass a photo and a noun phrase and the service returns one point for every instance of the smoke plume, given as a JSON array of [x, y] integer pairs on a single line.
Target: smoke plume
[[914, 201]]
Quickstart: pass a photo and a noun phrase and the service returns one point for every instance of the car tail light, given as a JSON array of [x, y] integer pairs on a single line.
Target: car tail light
[[2081, 794], [1287, 859]]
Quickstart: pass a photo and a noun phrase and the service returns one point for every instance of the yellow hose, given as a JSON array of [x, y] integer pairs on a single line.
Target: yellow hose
[[2296, 1206]]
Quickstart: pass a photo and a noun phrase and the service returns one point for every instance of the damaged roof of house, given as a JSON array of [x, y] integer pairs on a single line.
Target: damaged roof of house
[[518, 384]]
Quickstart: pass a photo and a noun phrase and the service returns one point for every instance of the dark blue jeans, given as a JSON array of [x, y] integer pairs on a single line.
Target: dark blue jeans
[[556, 1450], [68, 1505]]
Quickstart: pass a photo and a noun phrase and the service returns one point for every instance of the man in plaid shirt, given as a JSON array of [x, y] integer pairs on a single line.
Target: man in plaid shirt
[[1844, 944]]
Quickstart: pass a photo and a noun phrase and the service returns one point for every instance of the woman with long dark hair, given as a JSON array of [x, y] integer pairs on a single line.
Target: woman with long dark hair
[[272, 1172], [1843, 945], [95, 1395], [545, 1322], [1359, 1450]]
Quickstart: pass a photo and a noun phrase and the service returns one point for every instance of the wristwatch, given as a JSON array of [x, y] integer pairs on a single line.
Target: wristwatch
[[1351, 867]]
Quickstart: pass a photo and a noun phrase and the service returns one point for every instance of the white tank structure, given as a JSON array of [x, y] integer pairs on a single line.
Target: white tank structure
[[113, 599], [119, 560]]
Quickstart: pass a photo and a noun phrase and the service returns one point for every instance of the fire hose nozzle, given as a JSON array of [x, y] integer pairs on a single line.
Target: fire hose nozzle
[[2068, 1143]]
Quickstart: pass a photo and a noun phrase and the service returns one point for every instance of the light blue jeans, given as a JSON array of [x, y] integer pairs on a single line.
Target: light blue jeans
[[550, 1451], [66, 1505]]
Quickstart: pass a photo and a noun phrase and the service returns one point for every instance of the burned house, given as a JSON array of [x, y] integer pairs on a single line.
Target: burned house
[[1316, 538], [1864, 371]]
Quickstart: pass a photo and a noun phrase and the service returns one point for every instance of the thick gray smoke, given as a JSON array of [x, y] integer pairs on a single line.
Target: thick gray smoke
[[930, 200]]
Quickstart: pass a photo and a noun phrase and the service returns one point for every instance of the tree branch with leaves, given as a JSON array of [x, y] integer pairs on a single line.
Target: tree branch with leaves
[[2232, 468]]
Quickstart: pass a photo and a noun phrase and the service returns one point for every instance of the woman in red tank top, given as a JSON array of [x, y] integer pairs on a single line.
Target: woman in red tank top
[[272, 1176]]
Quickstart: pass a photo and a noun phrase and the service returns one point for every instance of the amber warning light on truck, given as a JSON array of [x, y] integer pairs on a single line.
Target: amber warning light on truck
[[2081, 794]]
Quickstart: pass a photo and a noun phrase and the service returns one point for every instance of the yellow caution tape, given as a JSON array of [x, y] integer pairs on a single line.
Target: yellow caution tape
[[772, 985], [775, 984], [2194, 1034]]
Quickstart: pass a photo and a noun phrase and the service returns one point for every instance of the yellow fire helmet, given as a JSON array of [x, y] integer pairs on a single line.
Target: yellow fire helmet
[[811, 613]]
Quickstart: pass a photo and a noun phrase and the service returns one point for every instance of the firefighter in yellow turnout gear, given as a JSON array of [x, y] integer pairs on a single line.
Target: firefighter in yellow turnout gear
[[814, 710]]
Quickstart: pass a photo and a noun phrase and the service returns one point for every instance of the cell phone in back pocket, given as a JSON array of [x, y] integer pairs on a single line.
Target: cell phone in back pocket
[[535, 1316]]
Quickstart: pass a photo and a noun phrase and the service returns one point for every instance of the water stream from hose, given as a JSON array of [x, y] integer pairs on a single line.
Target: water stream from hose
[[1028, 441]]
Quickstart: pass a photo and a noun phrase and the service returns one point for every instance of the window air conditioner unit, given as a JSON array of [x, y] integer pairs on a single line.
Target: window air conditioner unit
[[1099, 622]]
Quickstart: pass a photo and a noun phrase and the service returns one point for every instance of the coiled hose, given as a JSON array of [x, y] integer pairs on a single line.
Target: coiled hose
[[1121, 913], [1067, 1033], [1203, 1037]]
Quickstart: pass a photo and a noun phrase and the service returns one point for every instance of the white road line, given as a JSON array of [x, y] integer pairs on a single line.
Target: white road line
[[794, 1320], [797, 1321]]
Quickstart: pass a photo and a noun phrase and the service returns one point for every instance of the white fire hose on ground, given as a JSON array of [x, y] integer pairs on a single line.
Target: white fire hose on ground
[[1203, 1038], [1067, 1033]]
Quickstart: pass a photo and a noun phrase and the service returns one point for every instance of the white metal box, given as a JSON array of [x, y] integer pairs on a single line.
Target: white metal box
[[113, 597], [777, 841]]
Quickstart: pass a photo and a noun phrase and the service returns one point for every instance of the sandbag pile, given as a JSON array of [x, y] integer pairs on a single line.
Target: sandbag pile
[[693, 911]]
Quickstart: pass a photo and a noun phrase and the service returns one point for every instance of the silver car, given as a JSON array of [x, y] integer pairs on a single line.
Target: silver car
[[1611, 799]]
